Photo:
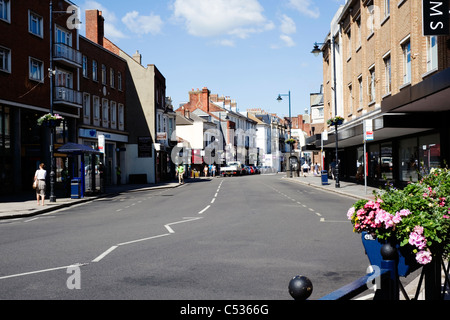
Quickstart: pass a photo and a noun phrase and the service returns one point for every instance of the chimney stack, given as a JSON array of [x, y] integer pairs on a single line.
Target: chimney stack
[[95, 26], [137, 57]]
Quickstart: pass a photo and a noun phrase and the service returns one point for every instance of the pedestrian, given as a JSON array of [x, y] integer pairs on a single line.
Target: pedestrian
[[180, 173], [39, 178], [333, 169], [305, 168], [205, 170], [119, 175], [214, 170]]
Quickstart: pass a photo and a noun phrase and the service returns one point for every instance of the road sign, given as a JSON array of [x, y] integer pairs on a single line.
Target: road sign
[[369, 136], [436, 18]]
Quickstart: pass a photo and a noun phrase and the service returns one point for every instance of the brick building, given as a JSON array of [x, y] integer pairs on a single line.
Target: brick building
[[54, 69], [103, 86], [395, 78], [25, 87]]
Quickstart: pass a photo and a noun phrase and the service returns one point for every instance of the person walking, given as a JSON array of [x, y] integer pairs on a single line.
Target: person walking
[[180, 173], [39, 178], [305, 168], [214, 170], [205, 170]]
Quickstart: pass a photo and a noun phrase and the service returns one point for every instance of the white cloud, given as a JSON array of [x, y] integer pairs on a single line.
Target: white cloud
[[288, 25], [111, 21], [207, 18], [305, 7], [287, 40], [143, 24]]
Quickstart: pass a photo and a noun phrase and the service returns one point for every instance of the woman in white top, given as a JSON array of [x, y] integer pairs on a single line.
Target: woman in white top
[[39, 177]]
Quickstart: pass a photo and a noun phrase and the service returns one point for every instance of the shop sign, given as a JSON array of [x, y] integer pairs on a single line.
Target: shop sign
[[436, 18]]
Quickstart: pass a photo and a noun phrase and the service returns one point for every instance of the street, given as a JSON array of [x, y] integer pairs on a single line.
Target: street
[[241, 238]]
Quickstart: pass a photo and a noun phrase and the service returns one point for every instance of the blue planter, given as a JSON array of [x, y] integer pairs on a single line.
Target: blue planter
[[406, 261]]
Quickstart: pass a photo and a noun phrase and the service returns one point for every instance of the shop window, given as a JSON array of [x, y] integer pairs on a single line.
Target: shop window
[[409, 161], [386, 162], [429, 153]]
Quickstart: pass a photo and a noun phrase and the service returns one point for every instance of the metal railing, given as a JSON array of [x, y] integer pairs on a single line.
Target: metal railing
[[63, 51], [387, 280], [66, 95]]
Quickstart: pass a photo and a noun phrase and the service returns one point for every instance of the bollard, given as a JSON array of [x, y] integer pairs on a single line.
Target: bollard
[[389, 285], [300, 288]]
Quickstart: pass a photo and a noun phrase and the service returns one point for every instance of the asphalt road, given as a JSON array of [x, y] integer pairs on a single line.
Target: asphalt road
[[238, 238]]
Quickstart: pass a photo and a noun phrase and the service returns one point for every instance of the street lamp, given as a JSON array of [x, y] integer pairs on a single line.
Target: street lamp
[[280, 99], [316, 51]]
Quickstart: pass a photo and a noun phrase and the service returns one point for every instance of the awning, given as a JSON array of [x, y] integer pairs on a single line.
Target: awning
[[73, 148]]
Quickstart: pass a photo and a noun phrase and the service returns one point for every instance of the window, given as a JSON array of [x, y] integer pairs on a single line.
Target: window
[[5, 12], [119, 81], [105, 113], [432, 52], [113, 115], [371, 18], [5, 59], [121, 116], [388, 74], [87, 107], [387, 8], [85, 67], [372, 85], [350, 99], [94, 70], [406, 47], [349, 43], [63, 36], [111, 78], [64, 79], [361, 96], [36, 70], [36, 24], [96, 101], [358, 24], [104, 74]]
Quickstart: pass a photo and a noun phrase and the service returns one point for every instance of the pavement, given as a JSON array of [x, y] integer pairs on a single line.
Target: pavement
[[25, 205]]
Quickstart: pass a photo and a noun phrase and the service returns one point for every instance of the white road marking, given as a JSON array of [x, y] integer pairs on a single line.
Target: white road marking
[[42, 271], [104, 254], [145, 239], [167, 226], [204, 210]]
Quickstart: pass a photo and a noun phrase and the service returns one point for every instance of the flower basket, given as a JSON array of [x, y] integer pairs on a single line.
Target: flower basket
[[416, 219], [49, 120], [406, 263], [335, 121]]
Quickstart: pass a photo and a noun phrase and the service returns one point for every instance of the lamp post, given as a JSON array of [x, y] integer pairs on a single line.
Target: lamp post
[[52, 129], [279, 99], [316, 51]]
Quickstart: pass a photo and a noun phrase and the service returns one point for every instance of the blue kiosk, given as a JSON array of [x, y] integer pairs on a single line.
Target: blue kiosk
[[78, 184]]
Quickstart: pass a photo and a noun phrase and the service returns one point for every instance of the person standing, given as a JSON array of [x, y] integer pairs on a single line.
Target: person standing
[[214, 170], [180, 173], [205, 170], [39, 177], [305, 168]]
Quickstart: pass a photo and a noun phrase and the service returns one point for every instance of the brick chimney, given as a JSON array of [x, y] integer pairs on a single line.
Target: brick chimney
[[95, 26], [137, 57]]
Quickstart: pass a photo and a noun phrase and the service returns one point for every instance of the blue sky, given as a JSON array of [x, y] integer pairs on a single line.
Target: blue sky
[[249, 50]]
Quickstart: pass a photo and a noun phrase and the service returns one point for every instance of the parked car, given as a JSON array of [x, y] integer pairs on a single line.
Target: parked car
[[233, 169]]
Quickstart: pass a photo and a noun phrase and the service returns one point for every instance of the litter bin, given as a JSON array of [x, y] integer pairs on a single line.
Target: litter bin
[[75, 188], [324, 178]]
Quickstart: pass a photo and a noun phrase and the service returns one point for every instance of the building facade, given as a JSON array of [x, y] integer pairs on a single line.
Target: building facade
[[38, 74], [394, 85]]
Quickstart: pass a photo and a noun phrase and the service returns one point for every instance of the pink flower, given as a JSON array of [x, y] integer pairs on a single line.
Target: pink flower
[[405, 212], [424, 257], [446, 217], [350, 213], [418, 230], [417, 240]]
